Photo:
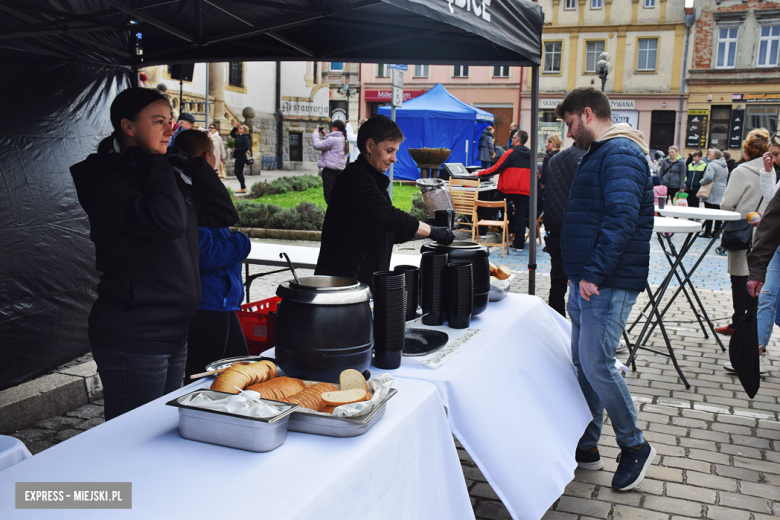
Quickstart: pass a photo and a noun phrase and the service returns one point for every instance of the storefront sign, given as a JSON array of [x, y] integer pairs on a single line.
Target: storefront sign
[[736, 128], [549, 103], [304, 108], [756, 98], [546, 129], [626, 116], [696, 130], [386, 96], [618, 104]]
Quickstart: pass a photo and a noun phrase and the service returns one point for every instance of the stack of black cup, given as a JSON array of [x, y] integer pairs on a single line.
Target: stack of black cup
[[460, 294], [389, 318], [432, 283], [412, 274], [444, 218]]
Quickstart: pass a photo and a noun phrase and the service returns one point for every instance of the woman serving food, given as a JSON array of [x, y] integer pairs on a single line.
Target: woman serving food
[[361, 224]]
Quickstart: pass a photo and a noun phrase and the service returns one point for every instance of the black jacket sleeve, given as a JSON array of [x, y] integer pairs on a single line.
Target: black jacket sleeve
[[374, 206], [766, 241], [212, 200]]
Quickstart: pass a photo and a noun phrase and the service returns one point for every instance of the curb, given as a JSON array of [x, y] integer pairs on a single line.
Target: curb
[[281, 234], [56, 393]]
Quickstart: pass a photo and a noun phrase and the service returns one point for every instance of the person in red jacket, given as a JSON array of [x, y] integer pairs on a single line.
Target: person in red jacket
[[514, 177]]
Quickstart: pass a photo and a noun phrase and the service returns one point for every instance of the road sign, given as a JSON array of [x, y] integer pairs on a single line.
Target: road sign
[[398, 67], [398, 78], [398, 97]]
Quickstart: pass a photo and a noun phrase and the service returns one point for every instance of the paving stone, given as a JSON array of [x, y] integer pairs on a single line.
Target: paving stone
[[741, 451], [665, 474], [736, 419], [630, 498], [696, 465], [698, 443], [30, 435], [694, 493], [768, 434], [558, 515], [698, 414], [660, 438], [491, 510], [582, 506], [737, 473], [730, 428], [60, 422], [465, 457], [632, 513], [673, 505], [473, 473], [37, 447], [669, 429], [689, 423], [90, 423], [711, 481], [88, 411], [579, 489], [66, 434], [738, 501], [760, 490], [718, 458], [710, 436], [724, 513], [672, 451], [757, 465], [483, 490]]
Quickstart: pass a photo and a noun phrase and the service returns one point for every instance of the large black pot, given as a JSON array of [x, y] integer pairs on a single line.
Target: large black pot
[[478, 256], [323, 326]]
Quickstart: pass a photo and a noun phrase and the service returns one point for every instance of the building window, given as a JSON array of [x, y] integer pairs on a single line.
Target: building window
[[649, 4], [382, 71], [768, 45], [236, 74], [662, 129], [647, 54], [592, 52], [421, 71], [727, 47], [500, 71], [595, 4], [296, 146], [552, 57], [761, 117], [336, 65], [570, 5], [461, 71], [720, 120]]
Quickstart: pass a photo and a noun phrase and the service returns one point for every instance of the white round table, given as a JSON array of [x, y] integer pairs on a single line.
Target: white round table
[[673, 225], [698, 213]]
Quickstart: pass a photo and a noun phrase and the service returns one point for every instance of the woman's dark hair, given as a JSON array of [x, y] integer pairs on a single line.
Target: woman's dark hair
[[585, 97], [341, 127], [378, 128], [126, 105], [194, 142]]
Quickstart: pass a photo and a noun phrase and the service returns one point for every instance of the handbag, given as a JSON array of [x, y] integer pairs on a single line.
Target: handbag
[[249, 159], [706, 189], [738, 234]]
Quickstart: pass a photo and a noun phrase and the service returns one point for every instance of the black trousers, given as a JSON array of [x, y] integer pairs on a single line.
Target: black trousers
[[328, 178], [709, 223], [239, 171], [693, 200], [520, 203], [213, 335], [671, 193], [558, 279], [739, 297]]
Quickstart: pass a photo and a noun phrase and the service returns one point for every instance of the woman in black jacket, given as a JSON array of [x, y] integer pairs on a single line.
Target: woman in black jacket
[[243, 146], [361, 225], [143, 208]]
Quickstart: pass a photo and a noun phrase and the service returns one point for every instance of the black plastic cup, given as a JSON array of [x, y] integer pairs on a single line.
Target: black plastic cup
[[459, 321], [460, 294], [387, 359], [432, 285], [389, 310], [412, 274]]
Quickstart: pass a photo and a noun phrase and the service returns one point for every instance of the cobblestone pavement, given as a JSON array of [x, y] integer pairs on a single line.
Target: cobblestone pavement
[[718, 451]]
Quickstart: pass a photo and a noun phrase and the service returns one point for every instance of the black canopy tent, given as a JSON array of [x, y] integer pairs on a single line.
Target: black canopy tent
[[72, 56]]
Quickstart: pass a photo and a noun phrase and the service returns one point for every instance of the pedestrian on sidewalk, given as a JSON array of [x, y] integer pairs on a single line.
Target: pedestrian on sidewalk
[[514, 183], [606, 253], [143, 208], [333, 159], [242, 147], [717, 173], [486, 147], [743, 195], [219, 150], [673, 173], [557, 178], [693, 178]]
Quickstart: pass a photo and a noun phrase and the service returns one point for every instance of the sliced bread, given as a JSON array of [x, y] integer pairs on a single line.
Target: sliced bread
[[351, 378], [344, 397]]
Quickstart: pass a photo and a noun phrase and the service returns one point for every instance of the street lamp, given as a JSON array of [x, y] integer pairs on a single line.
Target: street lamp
[[348, 91]]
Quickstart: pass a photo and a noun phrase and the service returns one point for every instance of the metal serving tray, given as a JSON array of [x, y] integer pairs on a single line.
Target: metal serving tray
[[257, 434], [305, 422]]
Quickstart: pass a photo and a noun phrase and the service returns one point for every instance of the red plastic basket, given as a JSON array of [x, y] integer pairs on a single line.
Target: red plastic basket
[[258, 322]]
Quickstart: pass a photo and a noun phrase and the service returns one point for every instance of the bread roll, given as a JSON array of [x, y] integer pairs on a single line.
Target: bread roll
[[503, 272]]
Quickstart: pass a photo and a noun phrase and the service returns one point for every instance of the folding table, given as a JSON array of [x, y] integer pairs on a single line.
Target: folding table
[[663, 227]]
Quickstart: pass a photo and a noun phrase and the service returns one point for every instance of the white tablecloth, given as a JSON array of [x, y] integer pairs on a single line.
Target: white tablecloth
[[513, 401], [405, 467], [263, 253]]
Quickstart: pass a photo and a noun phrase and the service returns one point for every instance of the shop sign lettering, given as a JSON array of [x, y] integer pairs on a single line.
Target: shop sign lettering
[[480, 11], [756, 98], [304, 108]]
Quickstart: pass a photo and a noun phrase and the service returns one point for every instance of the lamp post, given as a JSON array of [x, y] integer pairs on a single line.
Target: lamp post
[[348, 91]]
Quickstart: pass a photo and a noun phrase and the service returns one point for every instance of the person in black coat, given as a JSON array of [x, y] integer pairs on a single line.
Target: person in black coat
[[243, 145], [361, 224], [143, 208], [557, 178]]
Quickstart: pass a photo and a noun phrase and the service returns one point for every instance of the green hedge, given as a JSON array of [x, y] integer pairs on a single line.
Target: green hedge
[[284, 185], [306, 216]]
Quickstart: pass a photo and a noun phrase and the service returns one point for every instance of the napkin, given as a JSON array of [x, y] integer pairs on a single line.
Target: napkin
[[247, 403]]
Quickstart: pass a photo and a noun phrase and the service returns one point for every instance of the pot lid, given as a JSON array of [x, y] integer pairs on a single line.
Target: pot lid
[[324, 290]]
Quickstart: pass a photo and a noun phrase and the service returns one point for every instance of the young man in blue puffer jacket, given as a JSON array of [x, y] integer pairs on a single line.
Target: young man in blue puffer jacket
[[215, 332], [605, 244]]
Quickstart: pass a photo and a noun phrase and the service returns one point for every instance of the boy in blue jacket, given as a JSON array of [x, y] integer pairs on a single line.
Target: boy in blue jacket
[[215, 332]]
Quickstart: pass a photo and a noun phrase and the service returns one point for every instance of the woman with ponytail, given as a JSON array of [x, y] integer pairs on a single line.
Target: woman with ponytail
[[334, 148], [144, 207]]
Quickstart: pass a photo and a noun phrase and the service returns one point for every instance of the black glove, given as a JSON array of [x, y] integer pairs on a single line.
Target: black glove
[[442, 235]]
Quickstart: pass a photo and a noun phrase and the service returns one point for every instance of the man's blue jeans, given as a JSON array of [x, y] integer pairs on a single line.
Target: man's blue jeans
[[767, 300], [131, 379], [596, 327]]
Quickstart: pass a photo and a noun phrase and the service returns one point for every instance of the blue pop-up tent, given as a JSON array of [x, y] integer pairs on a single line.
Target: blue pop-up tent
[[437, 119]]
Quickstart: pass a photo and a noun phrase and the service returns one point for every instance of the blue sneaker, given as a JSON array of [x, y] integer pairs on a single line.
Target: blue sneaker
[[588, 459], [632, 466]]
